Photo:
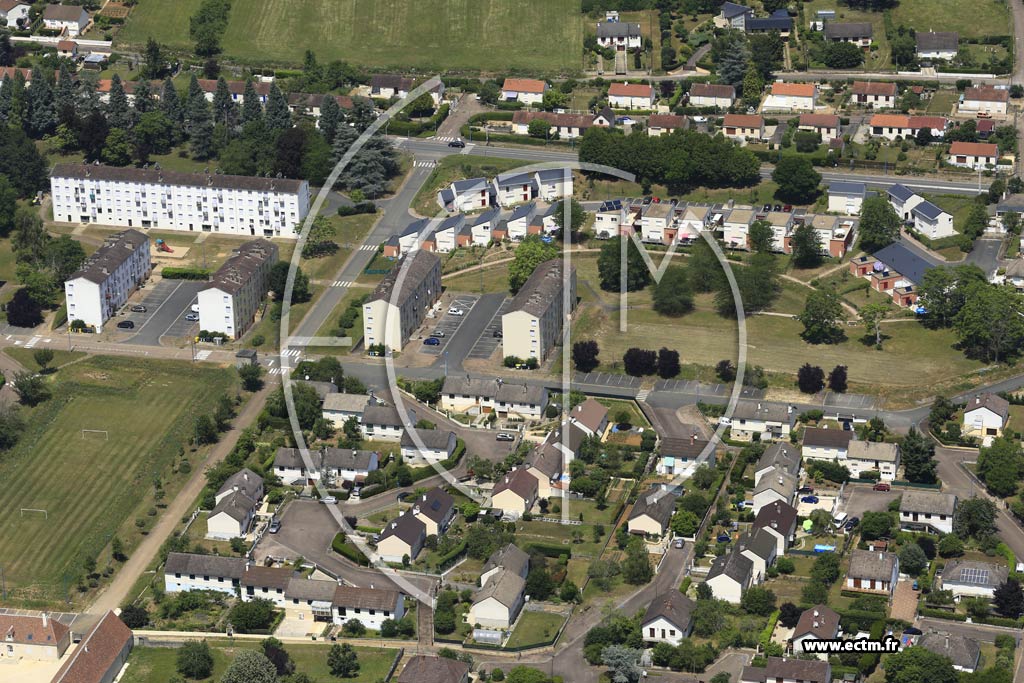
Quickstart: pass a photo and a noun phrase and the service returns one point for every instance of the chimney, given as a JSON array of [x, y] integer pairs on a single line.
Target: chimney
[[815, 624], [775, 525], [881, 556], [816, 614], [692, 435], [45, 619], [393, 525], [780, 479], [415, 509]]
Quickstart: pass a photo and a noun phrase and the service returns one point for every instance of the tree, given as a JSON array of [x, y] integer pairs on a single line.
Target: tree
[[879, 224], [134, 616], [32, 389], [806, 246], [119, 112], [876, 525], [23, 310], [252, 110], [251, 376], [623, 663], [668, 363], [810, 378], [252, 615], [989, 325], [277, 116], [822, 317], [951, 545], [789, 614], [826, 568], [609, 266], [636, 568], [1000, 466], [842, 55], [640, 362], [944, 292], [250, 666], [353, 628], [538, 128], [577, 217], [152, 134], [194, 659], [758, 600], [708, 616], [43, 357], [154, 64], [837, 379], [916, 664], [797, 180], [872, 315], [814, 593], [524, 674], [273, 649], [278, 279], [917, 454], [975, 517], [753, 85], [1008, 598], [673, 296], [761, 236], [685, 523], [530, 253], [224, 109], [913, 561], [731, 54], [584, 355], [342, 661]]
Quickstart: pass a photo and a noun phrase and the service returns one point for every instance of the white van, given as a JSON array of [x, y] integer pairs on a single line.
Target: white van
[[839, 520]]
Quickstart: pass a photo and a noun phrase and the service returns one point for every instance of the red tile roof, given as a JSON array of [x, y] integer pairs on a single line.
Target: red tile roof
[[630, 90], [742, 121], [31, 631], [987, 94], [819, 120], [794, 89], [974, 149], [712, 90], [98, 652], [523, 85], [666, 121], [874, 88]]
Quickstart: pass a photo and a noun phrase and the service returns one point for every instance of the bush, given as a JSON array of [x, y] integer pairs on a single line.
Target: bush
[[341, 546], [184, 273]]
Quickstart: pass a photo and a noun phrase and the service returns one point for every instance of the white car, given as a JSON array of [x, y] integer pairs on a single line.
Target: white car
[[195, 308], [455, 311], [700, 119]]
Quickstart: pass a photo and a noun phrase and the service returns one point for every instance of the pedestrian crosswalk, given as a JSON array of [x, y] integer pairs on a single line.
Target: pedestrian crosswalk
[[275, 371], [203, 355], [446, 138], [32, 342], [642, 395], [367, 247], [424, 163], [342, 283], [291, 353]]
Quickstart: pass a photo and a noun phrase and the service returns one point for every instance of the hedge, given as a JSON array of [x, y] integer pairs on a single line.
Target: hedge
[[398, 127], [512, 139], [184, 273], [941, 614], [421, 473], [442, 561], [548, 549], [341, 546], [61, 317], [766, 634], [492, 116]]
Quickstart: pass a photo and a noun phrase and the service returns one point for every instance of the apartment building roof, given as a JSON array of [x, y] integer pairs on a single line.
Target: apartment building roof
[[154, 176], [542, 288], [117, 248], [420, 264], [247, 260]]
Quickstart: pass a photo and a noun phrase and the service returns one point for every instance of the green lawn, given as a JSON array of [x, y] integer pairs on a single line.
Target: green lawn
[[27, 357], [90, 486], [535, 628], [942, 102], [157, 664], [457, 167], [429, 35], [6, 261], [483, 281], [957, 206], [880, 56], [971, 18]]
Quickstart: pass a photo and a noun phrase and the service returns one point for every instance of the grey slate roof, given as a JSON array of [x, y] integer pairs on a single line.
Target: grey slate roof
[[656, 504], [236, 505], [346, 459], [469, 185], [781, 668], [734, 565], [974, 573], [433, 669], [383, 415], [940, 40], [514, 178], [675, 447], [62, 12], [522, 211], [617, 29], [963, 652], [291, 458], [852, 29], [365, 598], [510, 392], [784, 456], [778, 21], [838, 187], [994, 402], [904, 261], [310, 589], [351, 403], [819, 621], [763, 410], [421, 263], [760, 542], [672, 606], [520, 482], [129, 174], [546, 174], [929, 502], [506, 587], [247, 481], [205, 565], [243, 264], [483, 217], [430, 438], [776, 515], [436, 504], [116, 249], [827, 438], [873, 450], [927, 210], [771, 482], [511, 557], [406, 527], [267, 577], [900, 192], [540, 290], [868, 564], [732, 9], [547, 459]]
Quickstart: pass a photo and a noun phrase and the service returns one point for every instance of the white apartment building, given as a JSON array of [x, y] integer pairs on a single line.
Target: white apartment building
[[390, 317], [107, 278], [169, 200], [187, 572], [533, 324], [229, 303]]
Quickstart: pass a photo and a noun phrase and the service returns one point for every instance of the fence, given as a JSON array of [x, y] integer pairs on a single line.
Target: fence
[[394, 663]]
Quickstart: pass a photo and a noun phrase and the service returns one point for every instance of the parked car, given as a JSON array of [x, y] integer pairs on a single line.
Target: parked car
[[126, 325], [700, 119], [809, 499], [805, 489], [851, 523], [498, 334], [678, 543], [437, 334], [329, 500], [457, 143], [403, 495], [195, 307], [275, 526], [505, 436], [138, 308], [881, 486], [431, 341], [455, 311], [778, 207], [788, 208], [192, 317], [766, 208]]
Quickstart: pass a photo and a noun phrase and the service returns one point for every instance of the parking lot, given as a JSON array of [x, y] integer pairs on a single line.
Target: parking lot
[[167, 303], [449, 324], [490, 338], [826, 503], [607, 379], [690, 386], [850, 401], [858, 499]]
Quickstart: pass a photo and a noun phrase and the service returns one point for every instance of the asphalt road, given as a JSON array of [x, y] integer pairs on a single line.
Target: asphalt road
[[477, 319], [986, 254], [167, 303]]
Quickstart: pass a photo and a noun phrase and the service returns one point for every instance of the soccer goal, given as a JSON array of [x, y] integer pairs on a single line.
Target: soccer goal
[[95, 434], [35, 512]]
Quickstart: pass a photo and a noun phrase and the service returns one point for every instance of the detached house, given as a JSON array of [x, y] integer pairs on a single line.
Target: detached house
[[652, 512], [866, 456], [438, 444], [741, 127], [937, 45], [665, 124], [676, 455], [436, 509], [619, 35], [964, 653], [783, 670], [734, 16], [903, 200], [730, 575], [972, 579], [985, 99], [772, 421], [668, 619], [403, 536], [712, 95], [929, 511], [874, 94], [791, 97], [434, 669], [872, 571], [70, 20], [775, 487], [778, 519], [507, 558], [931, 221], [845, 197], [974, 155], [985, 416], [338, 408], [14, 14], [857, 33], [516, 493], [630, 96], [497, 604], [525, 90], [236, 504], [818, 623], [825, 125], [826, 444], [778, 456]]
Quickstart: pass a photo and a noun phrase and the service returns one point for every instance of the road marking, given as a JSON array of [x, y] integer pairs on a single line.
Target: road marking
[[292, 353], [368, 247], [342, 283], [32, 342], [425, 163], [203, 355], [275, 371]]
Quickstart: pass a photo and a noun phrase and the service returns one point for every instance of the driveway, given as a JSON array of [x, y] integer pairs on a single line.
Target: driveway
[[985, 254], [904, 601], [490, 339], [448, 326], [473, 325], [167, 303], [860, 499]]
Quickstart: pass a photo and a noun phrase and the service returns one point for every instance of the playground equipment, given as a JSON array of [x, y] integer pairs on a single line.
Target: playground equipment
[[162, 246]]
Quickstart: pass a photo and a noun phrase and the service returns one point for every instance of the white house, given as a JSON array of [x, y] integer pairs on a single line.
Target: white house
[[736, 227], [189, 572], [515, 493], [403, 536], [741, 127], [866, 456], [290, 467], [760, 547], [973, 154], [446, 235], [985, 99], [931, 221], [464, 394], [69, 19], [855, 32], [525, 90], [778, 486], [370, 606], [437, 445], [712, 95], [817, 623], [929, 511], [791, 97], [519, 221], [345, 464], [903, 200], [657, 218], [892, 126], [590, 416], [481, 227], [96, 291], [619, 35], [846, 197], [32, 638], [513, 188], [553, 184], [652, 513], [730, 575], [497, 604], [228, 304], [778, 457], [665, 124], [826, 444], [338, 408], [873, 571], [266, 583], [778, 519], [236, 89], [471, 194], [236, 504], [985, 416], [971, 578], [772, 421], [825, 125], [783, 670], [507, 558], [874, 94], [170, 200], [630, 96], [937, 45], [668, 619], [14, 13], [384, 423]]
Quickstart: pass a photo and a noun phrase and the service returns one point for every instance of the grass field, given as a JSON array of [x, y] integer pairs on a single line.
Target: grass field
[[972, 18], [452, 168], [91, 486], [534, 628], [540, 35], [157, 664]]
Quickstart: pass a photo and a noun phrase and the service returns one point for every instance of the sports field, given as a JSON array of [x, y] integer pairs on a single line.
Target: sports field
[[488, 35], [90, 485]]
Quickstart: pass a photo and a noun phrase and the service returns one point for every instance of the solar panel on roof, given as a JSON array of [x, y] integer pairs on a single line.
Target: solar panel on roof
[[974, 575]]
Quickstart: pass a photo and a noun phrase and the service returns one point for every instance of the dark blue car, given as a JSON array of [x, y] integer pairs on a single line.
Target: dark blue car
[[431, 341]]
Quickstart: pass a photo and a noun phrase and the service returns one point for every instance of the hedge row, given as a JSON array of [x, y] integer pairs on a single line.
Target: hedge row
[[511, 139], [548, 549], [491, 116], [421, 473], [396, 127], [349, 551], [185, 273], [442, 562]]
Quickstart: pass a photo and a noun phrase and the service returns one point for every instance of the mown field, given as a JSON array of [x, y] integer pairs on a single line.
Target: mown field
[[498, 35], [91, 486]]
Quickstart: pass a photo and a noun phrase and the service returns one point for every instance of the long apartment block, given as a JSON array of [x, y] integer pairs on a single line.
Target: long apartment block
[[229, 303], [103, 284]]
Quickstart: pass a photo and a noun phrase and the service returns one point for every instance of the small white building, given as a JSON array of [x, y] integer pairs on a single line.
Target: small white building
[[985, 415], [402, 537], [873, 571], [71, 20], [772, 421], [515, 493], [741, 127], [390, 85], [519, 221], [825, 125], [778, 519], [339, 408], [384, 423], [985, 99], [630, 96], [498, 603], [866, 456], [931, 221], [669, 619], [437, 445], [266, 583], [971, 578], [974, 155], [874, 94], [712, 95], [553, 184], [791, 97], [96, 291], [229, 303], [619, 35], [760, 547], [903, 200], [736, 227], [237, 502], [817, 623], [778, 486], [846, 197], [826, 444], [471, 194], [525, 90], [369, 606], [13, 13], [513, 188], [190, 572], [937, 44], [929, 511], [652, 512], [730, 575]]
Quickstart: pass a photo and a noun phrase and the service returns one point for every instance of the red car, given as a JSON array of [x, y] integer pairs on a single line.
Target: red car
[[881, 486]]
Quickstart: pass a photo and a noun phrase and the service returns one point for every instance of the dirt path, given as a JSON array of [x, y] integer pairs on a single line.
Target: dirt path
[[114, 595], [847, 307]]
